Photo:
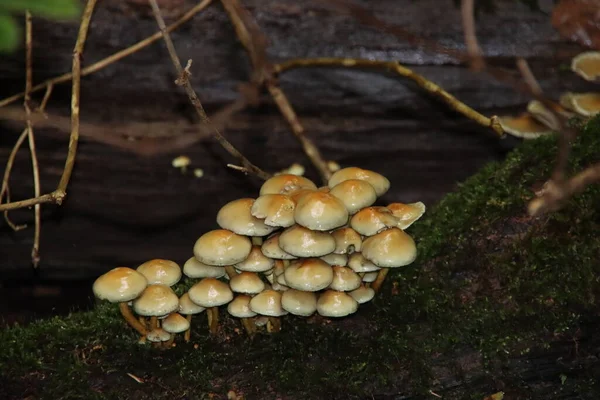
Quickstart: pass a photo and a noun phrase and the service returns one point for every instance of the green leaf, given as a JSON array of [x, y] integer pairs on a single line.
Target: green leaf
[[44, 8], [9, 34]]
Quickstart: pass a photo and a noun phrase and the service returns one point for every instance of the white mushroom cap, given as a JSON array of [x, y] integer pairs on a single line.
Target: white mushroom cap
[[275, 209], [390, 248], [320, 211], [222, 247], [196, 269], [309, 274], [210, 292], [256, 261], [344, 279], [240, 307], [335, 259], [363, 294], [270, 248], [120, 284], [303, 242], [298, 302], [332, 303], [370, 277], [158, 335], [355, 194], [359, 263], [247, 282], [188, 307], [371, 220], [236, 216], [407, 213], [379, 182], [155, 301], [347, 241], [286, 183], [165, 272], [268, 303], [175, 323]]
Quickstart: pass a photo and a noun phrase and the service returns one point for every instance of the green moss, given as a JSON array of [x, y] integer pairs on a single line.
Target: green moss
[[490, 281]]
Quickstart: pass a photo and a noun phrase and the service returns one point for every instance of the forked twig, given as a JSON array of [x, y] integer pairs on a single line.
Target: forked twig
[[183, 80], [399, 69]]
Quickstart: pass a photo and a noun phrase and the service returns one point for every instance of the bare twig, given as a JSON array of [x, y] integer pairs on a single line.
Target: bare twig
[[5, 191], [399, 69], [528, 76], [58, 195], [468, 22], [183, 80], [105, 62], [254, 41]]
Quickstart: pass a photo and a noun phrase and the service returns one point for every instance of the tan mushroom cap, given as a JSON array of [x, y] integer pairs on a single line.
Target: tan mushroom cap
[[335, 259], [286, 183], [585, 104], [309, 274], [161, 271], [188, 307], [237, 217], [363, 294], [390, 248], [298, 302], [344, 279], [268, 303], [587, 65], [332, 303], [303, 242], [407, 214], [369, 277], [524, 126], [240, 307], [371, 220], [196, 269], [210, 292], [360, 264], [120, 284], [175, 323], [156, 300], [347, 240], [275, 209], [256, 261], [222, 247], [320, 211], [355, 194], [270, 248], [247, 282], [380, 183], [158, 335]]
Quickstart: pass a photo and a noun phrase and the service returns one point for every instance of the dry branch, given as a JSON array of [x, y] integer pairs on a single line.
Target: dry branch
[[468, 22]]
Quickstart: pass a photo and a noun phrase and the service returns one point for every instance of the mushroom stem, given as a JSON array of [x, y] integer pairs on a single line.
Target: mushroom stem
[[248, 323], [130, 318], [188, 333], [230, 271], [273, 324], [143, 321], [257, 240], [169, 342], [154, 322], [213, 320], [376, 285]]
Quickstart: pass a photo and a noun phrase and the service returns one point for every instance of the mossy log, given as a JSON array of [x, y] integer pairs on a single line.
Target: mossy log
[[123, 208], [496, 302]]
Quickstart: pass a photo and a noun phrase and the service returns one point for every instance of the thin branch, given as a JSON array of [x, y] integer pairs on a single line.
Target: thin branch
[[399, 69], [5, 190], [254, 41], [105, 62], [528, 76], [468, 22], [183, 80]]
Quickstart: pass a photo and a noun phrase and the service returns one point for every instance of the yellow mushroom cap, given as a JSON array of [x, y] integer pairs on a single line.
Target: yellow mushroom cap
[[370, 277], [210, 292], [355, 194], [275, 209], [347, 241], [158, 335], [360, 264], [298, 302], [320, 211], [188, 307], [335, 259], [371, 220], [175, 323], [332, 303], [363, 294], [270, 248], [240, 307], [222, 247], [344, 279], [237, 217], [587, 65], [120, 284], [246, 282], [196, 269], [308, 274], [407, 214], [268, 302], [286, 183], [586, 104], [390, 248], [256, 261], [155, 301], [524, 126], [303, 242], [379, 182], [166, 272]]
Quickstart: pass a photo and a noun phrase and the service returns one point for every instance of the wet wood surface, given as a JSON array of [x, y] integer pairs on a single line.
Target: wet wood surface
[[124, 208]]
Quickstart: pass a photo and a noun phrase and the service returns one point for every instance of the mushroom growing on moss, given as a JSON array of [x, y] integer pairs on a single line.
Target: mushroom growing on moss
[[156, 301], [585, 104], [407, 214], [121, 285], [268, 303], [587, 65], [524, 126], [159, 271], [211, 293], [188, 308], [174, 323]]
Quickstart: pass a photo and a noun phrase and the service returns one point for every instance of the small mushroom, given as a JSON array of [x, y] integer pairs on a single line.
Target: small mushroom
[[363, 294], [222, 247], [155, 301], [211, 293], [379, 182], [240, 308], [371, 220], [587, 65], [347, 240], [256, 261], [286, 183], [320, 211], [271, 249], [236, 216], [275, 209], [188, 308], [174, 323], [407, 214], [308, 274], [159, 271], [585, 104], [299, 302], [304, 242], [355, 194], [196, 269], [335, 259], [268, 303], [524, 126], [344, 279], [336, 304]]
